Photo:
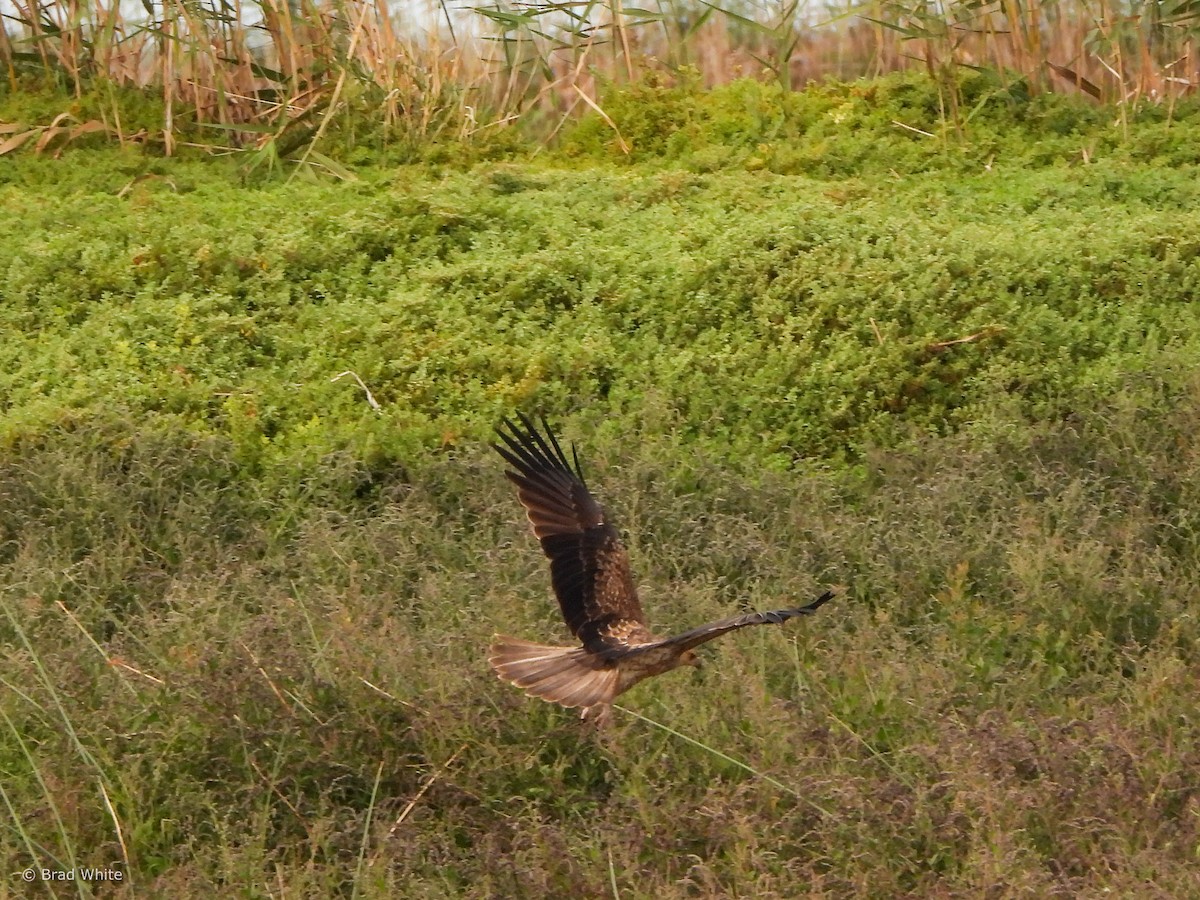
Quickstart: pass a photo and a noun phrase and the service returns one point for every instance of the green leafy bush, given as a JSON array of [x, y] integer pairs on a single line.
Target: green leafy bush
[[781, 318], [902, 123]]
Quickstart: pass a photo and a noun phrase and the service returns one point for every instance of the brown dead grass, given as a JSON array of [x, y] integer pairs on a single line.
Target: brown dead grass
[[962, 723], [271, 72]]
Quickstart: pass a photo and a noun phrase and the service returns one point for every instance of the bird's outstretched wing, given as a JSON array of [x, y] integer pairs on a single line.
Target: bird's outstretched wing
[[697, 636], [588, 564]]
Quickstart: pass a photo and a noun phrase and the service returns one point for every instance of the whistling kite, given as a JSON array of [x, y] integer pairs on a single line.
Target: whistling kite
[[590, 571]]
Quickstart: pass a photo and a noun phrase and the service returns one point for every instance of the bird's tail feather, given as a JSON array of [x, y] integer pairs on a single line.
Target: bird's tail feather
[[567, 675]]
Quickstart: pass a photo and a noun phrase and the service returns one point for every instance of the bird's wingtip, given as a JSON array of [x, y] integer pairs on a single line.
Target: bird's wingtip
[[830, 593]]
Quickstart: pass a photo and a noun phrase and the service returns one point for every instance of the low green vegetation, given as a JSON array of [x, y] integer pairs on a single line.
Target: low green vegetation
[[901, 124], [253, 545]]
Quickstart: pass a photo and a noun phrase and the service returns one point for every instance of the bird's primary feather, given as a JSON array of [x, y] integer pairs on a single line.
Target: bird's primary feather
[[589, 567], [705, 633]]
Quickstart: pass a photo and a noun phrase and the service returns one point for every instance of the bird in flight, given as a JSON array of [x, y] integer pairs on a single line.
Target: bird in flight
[[590, 572]]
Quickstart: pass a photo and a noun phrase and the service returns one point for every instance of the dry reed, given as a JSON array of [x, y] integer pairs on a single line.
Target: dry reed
[[273, 73]]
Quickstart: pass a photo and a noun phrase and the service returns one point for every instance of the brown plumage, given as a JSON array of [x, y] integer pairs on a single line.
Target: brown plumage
[[590, 572]]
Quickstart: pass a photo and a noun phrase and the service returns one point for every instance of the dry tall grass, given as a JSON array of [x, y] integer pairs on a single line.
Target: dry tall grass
[[253, 68]]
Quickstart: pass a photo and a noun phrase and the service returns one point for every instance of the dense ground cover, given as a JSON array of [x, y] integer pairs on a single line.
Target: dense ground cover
[[245, 610]]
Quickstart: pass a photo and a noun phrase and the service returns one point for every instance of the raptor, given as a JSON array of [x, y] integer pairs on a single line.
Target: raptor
[[589, 568]]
